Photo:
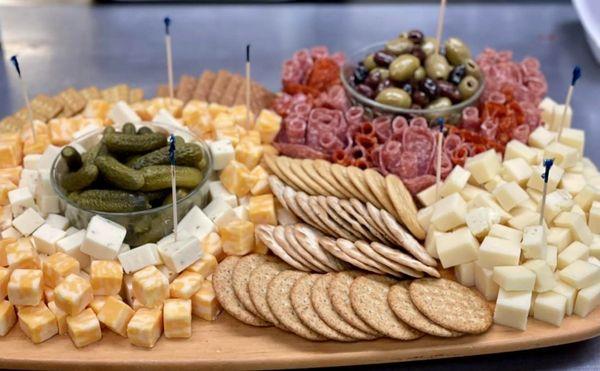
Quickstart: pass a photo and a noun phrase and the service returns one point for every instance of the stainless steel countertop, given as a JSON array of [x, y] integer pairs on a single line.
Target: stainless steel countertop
[[61, 46]]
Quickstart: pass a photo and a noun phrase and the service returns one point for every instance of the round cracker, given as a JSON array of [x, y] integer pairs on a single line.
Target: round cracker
[[334, 222], [366, 249], [303, 307], [340, 173], [270, 161], [296, 167], [290, 236], [325, 171], [375, 215], [302, 200], [403, 307], [357, 177], [339, 293], [265, 234], [278, 188], [404, 204], [257, 288], [279, 236], [404, 259], [322, 304], [223, 286], [284, 164], [309, 168], [309, 239], [334, 205], [451, 305], [241, 276], [376, 184], [347, 206], [348, 248], [368, 296], [407, 240], [330, 245], [362, 210], [289, 196], [280, 303]]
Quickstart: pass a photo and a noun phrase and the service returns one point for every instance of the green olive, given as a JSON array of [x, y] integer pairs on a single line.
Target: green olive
[[385, 73], [403, 67], [394, 97], [369, 62], [457, 51], [440, 103], [468, 86], [419, 74], [399, 46], [429, 45], [437, 67], [403, 35], [472, 68]]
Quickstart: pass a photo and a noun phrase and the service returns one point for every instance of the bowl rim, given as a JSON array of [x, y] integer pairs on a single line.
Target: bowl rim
[[396, 110], [61, 194]]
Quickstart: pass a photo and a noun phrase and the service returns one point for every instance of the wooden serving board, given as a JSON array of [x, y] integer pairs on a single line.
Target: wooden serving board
[[229, 344]]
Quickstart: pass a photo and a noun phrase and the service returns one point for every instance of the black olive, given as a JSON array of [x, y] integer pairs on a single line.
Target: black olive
[[365, 90], [430, 88], [457, 74], [407, 88], [448, 90], [383, 59], [419, 53], [373, 79], [420, 98], [382, 85], [415, 36], [360, 74]]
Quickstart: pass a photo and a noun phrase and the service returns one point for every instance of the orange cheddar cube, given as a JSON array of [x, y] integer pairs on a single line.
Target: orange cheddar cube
[[61, 317], [239, 116], [204, 302], [73, 294], [214, 109], [231, 133], [268, 124], [48, 294], [106, 277], [185, 285], [236, 178], [150, 287], [238, 237], [12, 173], [252, 136], [261, 181], [98, 302], [10, 154], [4, 278], [38, 323], [84, 328], [248, 153], [211, 244], [25, 287], [205, 266], [5, 186], [145, 327], [195, 112], [116, 315], [58, 266], [177, 318], [8, 317], [261, 210], [173, 106], [97, 108], [223, 120]]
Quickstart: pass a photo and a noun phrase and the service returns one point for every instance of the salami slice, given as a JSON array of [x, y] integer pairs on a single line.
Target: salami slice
[[419, 122], [459, 154], [417, 184], [521, 133], [391, 153], [420, 142], [451, 142], [329, 142], [383, 128], [296, 130], [354, 115], [299, 151], [398, 124]]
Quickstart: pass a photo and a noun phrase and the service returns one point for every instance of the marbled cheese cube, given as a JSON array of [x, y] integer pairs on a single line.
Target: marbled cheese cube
[[4, 278], [25, 287], [456, 247], [514, 278], [517, 149], [21, 254], [537, 182], [71, 245], [465, 273], [261, 181], [267, 124], [11, 232], [150, 287], [185, 285], [510, 195], [73, 294], [116, 315], [484, 282], [61, 317], [512, 309], [8, 317], [48, 294], [98, 302], [106, 277], [261, 210], [449, 213], [544, 277], [564, 156], [177, 318], [575, 251], [248, 153], [103, 238], [236, 178], [28, 221], [580, 274], [497, 252], [145, 327], [550, 307], [205, 266], [238, 238], [84, 328], [204, 302], [534, 242], [576, 223], [507, 233], [568, 292], [587, 300], [57, 267], [38, 323]]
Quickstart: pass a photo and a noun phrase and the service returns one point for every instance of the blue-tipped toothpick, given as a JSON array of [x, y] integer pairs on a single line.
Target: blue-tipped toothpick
[[576, 75], [438, 165], [15, 63], [167, 21], [248, 87], [173, 182], [546, 176]]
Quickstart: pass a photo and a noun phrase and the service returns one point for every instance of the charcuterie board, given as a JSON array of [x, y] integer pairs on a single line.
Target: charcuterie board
[[229, 344]]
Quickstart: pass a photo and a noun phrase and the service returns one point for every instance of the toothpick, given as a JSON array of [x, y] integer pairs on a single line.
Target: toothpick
[[173, 182], [546, 176], [15, 63], [438, 165], [248, 81], [169, 56], [440, 26], [574, 78]]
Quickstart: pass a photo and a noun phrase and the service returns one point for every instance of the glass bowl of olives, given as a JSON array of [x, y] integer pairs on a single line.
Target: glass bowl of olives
[[123, 174], [405, 76]]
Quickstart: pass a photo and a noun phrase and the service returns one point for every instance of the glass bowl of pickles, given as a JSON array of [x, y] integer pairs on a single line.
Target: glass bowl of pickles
[[124, 175], [405, 76]]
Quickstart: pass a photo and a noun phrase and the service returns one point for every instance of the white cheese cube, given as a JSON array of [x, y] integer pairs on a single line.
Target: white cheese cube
[[552, 257], [71, 245], [557, 202], [514, 278], [550, 307], [535, 195], [449, 213], [544, 277], [170, 238], [573, 183], [285, 217], [516, 170], [121, 114], [196, 223], [28, 222], [89, 128], [48, 204], [164, 117], [570, 293], [140, 257], [222, 153], [465, 274], [494, 183], [575, 251], [595, 247], [455, 181], [510, 195], [564, 156], [219, 212], [517, 149], [576, 223], [580, 274], [559, 237], [587, 300], [31, 161], [594, 218], [469, 192], [537, 182], [512, 309], [587, 196], [485, 283], [29, 179], [578, 168], [71, 230], [167, 272], [424, 216], [46, 237], [430, 242], [530, 205], [507, 233], [573, 138], [103, 238], [541, 137], [241, 213], [427, 196], [497, 251], [456, 247], [47, 159], [11, 232], [57, 221], [218, 191], [180, 254], [20, 199], [547, 106], [124, 248], [534, 242], [480, 220], [483, 166], [487, 200], [524, 219]]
